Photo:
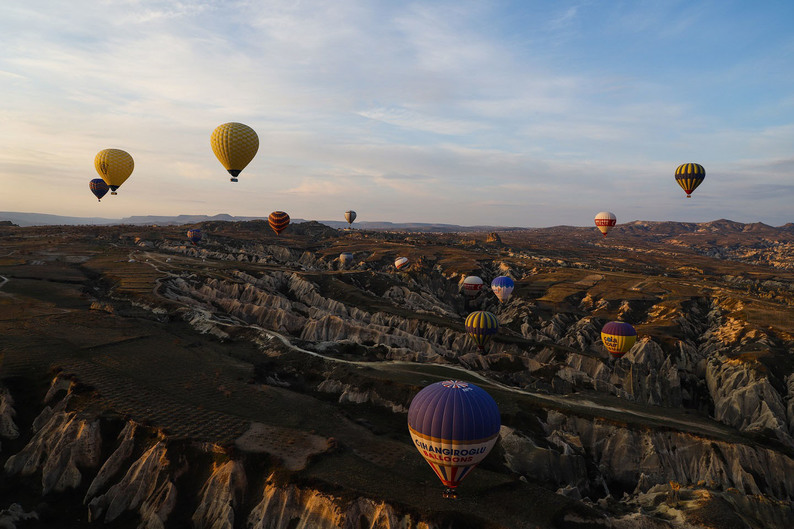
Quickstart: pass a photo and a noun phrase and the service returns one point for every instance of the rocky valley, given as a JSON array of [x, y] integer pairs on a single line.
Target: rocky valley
[[256, 381]]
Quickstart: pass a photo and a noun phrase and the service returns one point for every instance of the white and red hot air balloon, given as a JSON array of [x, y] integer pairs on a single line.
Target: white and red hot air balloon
[[605, 221]]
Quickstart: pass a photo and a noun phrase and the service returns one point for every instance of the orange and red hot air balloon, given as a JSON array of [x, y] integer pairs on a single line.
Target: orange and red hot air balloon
[[278, 221]]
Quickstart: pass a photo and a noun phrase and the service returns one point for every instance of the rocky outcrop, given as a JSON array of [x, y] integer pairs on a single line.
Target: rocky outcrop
[[221, 496], [62, 445], [8, 428], [284, 507], [146, 488]]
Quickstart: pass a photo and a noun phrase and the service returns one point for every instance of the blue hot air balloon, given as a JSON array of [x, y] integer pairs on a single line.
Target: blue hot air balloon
[[454, 425], [194, 235], [502, 286], [99, 188]]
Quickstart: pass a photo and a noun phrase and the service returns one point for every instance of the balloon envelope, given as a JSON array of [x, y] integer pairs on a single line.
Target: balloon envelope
[[114, 166], [278, 221], [234, 145], [454, 425], [689, 176], [350, 216], [400, 262], [481, 325], [345, 257], [472, 285], [194, 235], [618, 338], [502, 286], [99, 188], [605, 221]]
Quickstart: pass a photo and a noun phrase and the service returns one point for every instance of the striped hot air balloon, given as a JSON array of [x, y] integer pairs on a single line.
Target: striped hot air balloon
[[278, 221], [234, 145], [481, 325], [605, 221], [194, 236], [350, 216], [472, 285], [618, 338], [502, 286], [99, 188], [400, 262], [454, 425], [689, 176], [114, 166]]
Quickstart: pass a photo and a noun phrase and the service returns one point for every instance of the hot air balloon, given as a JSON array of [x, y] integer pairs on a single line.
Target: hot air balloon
[[99, 188], [502, 286], [194, 236], [114, 166], [350, 216], [689, 176], [472, 285], [345, 257], [605, 221], [278, 221], [454, 425], [618, 338], [235, 145], [400, 262], [481, 325]]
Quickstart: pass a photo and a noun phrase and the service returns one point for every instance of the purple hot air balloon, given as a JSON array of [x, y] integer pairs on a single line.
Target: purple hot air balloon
[[99, 188], [194, 236], [454, 425]]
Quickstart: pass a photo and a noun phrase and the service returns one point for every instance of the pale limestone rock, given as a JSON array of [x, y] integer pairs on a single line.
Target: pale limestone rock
[[221, 494], [113, 464], [289, 507], [61, 444], [8, 428], [147, 488]]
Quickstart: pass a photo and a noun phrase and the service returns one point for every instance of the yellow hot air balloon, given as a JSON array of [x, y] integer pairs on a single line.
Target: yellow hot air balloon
[[235, 145], [114, 166]]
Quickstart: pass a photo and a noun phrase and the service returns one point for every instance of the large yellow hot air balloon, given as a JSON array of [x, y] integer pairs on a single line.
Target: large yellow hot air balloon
[[114, 166], [235, 145]]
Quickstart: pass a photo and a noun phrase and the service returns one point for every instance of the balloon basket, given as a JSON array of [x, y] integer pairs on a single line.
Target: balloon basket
[[232, 179], [449, 494], [113, 193]]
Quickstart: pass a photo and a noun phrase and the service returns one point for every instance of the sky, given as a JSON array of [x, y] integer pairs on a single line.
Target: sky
[[522, 113]]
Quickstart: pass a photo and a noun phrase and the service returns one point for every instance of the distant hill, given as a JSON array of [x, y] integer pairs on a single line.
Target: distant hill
[[41, 219], [637, 227]]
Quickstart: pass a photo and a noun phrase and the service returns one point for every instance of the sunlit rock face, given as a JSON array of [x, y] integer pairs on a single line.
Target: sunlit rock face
[[61, 445], [623, 455], [287, 507], [220, 496]]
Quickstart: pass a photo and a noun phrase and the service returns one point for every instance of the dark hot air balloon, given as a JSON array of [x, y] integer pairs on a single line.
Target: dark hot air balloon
[[350, 216], [454, 425], [194, 236], [99, 188]]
